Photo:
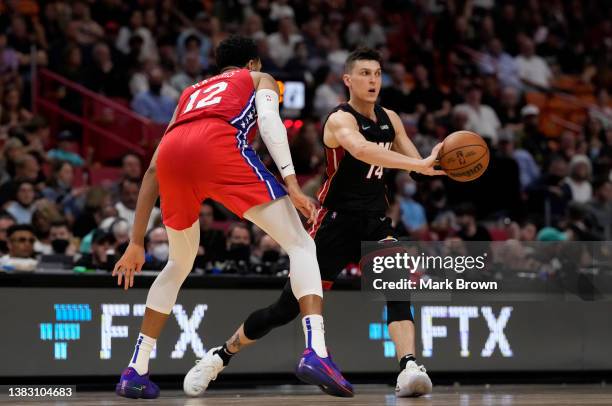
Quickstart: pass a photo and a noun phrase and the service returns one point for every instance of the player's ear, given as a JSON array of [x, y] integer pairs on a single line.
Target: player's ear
[[254, 65], [346, 78]]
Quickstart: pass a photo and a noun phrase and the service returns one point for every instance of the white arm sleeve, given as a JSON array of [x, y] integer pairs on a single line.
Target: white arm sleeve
[[273, 132]]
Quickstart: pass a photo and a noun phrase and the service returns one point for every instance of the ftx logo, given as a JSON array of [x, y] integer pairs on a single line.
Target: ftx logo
[[69, 317], [432, 329]]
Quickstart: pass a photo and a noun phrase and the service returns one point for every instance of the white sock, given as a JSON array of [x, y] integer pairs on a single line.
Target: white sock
[[314, 334], [140, 359]]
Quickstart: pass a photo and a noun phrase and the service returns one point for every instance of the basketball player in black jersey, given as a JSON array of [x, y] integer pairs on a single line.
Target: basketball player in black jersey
[[361, 139]]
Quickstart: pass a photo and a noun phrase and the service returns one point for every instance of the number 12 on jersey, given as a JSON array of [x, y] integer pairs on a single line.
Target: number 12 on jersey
[[209, 98], [377, 170]]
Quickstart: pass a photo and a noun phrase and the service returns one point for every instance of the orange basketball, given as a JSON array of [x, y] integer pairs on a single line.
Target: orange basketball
[[464, 156]]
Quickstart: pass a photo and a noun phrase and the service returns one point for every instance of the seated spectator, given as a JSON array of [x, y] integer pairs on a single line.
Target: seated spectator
[[412, 212], [282, 43], [427, 135], [190, 74], [6, 221], [532, 69], [579, 179], [499, 63], [365, 30], [61, 239], [157, 249], [201, 30], [88, 31], [151, 103], [529, 171], [37, 134], [425, 96], [329, 93], [25, 167], [12, 113], [22, 207], [97, 206], [65, 150], [131, 166], [101, 255], [59, 185], [530, 137], [509, 111], [481, 118], [119, 228], [104, 75], [268, 257], [600, 207], [396, 96], [212, 240], [602, 109], [20, 255], [46, 213], [549, 196], [9, 60], [238, 254], [128, 196], [469, 229], [136, 27]]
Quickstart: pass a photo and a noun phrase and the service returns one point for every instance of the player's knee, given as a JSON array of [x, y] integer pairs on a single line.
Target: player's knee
[[261, 322], [398, 311], [303, 243]]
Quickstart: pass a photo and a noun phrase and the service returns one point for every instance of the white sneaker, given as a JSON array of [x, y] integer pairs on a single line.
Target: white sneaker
[[413, 381], [205, 370]]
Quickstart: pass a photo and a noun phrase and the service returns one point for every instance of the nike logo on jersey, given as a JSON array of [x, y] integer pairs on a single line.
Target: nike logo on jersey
[[384, 127], [364, 127], [283, 167]]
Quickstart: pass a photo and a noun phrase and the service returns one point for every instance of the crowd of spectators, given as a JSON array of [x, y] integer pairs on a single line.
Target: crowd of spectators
[[448, 65]]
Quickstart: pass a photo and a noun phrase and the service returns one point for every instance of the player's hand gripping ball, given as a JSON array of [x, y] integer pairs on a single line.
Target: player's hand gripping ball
[[464, 156]]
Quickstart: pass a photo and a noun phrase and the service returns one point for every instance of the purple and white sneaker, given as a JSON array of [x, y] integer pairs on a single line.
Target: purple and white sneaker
[[324, 373], [134, 386]]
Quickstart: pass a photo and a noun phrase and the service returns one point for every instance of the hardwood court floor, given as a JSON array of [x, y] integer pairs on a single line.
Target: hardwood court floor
[[505, 395]]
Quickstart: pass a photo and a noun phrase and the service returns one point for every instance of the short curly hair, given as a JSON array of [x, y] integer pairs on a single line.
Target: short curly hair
[[235, 50]]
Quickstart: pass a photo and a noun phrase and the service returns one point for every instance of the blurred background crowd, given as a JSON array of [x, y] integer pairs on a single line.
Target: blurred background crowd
[[532, 77]]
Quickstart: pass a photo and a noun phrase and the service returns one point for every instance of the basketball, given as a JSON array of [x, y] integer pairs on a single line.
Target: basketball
[[464, 156]]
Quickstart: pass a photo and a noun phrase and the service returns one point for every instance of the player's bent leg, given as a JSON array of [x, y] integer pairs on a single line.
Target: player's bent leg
[[412, 380], [280, 220], [135, 382]]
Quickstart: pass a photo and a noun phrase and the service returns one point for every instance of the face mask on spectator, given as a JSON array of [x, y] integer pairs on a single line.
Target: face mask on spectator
[[437, 194], [60, 245], [155, 88], [161, 252], [239, 252], [270, 256]]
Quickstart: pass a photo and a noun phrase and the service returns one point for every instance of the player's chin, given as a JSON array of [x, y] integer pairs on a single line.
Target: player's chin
[[371, 97]]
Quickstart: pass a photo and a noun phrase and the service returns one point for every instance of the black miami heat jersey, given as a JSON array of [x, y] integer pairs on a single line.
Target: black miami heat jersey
[[351, 184]]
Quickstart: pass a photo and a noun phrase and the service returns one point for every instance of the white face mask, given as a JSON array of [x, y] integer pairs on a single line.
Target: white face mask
[[161, 252]]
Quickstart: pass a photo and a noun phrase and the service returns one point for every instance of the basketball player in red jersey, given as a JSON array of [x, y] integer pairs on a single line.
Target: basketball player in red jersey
[[361, 139], [206, 153]]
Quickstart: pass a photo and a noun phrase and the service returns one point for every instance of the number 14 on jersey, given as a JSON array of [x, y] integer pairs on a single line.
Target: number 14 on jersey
[[377, 170]]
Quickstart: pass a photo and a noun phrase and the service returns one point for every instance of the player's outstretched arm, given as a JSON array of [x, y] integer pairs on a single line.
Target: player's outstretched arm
[[341, 128], [274, 135]]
